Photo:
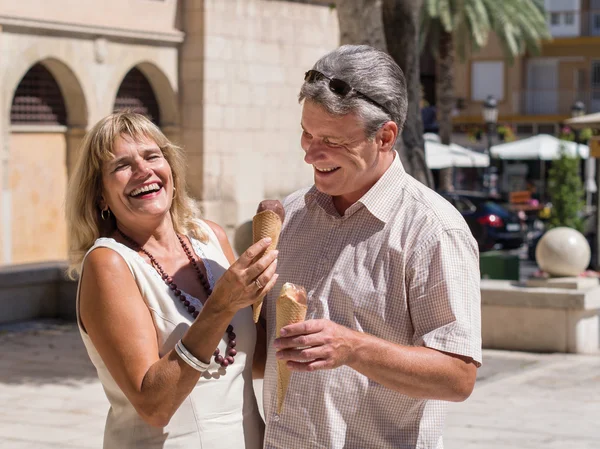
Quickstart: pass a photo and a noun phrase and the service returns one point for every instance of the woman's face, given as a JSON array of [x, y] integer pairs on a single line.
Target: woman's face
[[137, 184]]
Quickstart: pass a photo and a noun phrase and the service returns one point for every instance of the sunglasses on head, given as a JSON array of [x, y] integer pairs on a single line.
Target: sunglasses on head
[[340, 87]]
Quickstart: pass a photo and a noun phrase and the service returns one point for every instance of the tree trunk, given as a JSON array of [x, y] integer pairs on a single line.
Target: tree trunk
[[364, 22], [360, 23], [445, 101], [401, 27]]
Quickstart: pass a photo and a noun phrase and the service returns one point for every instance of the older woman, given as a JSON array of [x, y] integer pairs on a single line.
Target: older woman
[[163, 308]]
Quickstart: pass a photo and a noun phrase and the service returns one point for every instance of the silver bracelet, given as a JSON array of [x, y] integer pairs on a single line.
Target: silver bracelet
[[189, 358]]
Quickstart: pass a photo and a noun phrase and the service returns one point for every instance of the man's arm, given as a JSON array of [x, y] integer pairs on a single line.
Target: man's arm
[[418, 372]]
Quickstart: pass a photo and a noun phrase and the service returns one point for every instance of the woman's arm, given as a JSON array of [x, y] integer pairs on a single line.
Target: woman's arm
[[119, 324]]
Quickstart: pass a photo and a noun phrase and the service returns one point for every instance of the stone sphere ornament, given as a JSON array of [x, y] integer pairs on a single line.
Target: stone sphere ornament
[[563, 252]]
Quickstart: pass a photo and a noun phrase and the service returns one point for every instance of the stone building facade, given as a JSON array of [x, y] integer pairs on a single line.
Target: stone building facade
[[220, 77]]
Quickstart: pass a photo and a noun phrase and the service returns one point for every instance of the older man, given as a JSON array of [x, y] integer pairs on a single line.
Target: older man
[[391, 271]]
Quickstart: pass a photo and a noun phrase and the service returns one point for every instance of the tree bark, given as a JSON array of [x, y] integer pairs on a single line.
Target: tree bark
[[360, 23], [445, 101], [401, 28], [393, 26]]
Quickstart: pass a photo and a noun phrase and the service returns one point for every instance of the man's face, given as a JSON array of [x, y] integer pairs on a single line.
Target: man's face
[[345, 163]]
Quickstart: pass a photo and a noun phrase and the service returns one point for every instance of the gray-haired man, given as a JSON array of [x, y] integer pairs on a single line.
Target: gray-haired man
[[391, 271]]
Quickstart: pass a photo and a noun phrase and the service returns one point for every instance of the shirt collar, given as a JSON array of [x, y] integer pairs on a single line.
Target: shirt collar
[[376, 200]]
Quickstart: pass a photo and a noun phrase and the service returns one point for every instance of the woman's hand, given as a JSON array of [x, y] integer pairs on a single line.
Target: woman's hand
[[247, 279]]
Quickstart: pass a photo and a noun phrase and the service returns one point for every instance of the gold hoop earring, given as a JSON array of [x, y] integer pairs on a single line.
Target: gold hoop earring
[[174, 192], [107, 215]]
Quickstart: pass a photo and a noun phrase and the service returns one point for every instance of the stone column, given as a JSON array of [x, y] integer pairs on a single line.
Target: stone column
[[5, 206], [191, 68]]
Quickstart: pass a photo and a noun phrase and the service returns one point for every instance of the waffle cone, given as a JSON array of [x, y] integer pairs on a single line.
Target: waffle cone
[[288, 311], [265, 224]]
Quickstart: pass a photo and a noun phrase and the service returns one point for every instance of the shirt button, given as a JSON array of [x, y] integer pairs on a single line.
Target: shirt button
[[276, 418]]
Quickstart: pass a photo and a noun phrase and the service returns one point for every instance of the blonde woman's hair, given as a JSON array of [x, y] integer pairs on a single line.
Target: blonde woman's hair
[[84, 223]]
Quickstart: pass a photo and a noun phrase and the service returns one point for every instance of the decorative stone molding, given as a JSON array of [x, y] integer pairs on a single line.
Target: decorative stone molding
[[71, 29], [100, 50], [32, 129]]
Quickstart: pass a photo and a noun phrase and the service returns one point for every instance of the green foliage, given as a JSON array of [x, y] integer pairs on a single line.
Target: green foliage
[[585, 134], [506, 133], [566, 192], [519, 24], [569, 134]]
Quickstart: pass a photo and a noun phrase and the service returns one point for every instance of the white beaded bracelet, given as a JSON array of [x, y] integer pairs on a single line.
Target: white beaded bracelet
[[189, 358]]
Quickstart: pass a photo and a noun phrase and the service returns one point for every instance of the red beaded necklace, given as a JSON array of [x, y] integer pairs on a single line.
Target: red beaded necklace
[[223, 360]]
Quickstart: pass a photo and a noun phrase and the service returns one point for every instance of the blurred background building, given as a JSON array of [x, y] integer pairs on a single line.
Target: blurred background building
[[220, 78], [535, 93]]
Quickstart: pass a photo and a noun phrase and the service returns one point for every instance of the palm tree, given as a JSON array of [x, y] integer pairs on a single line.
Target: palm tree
[[450, 27], [393, 25]]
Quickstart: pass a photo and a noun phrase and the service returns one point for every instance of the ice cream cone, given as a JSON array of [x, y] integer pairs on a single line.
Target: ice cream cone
[[265, 224], [289, 311]]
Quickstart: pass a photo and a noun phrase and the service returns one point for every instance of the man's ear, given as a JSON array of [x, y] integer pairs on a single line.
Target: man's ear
[[387, 136]]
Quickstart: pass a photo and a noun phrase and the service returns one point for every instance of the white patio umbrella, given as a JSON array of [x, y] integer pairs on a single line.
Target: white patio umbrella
[[438, 156], [468, 158], [543, 146], [432, 137], [584, 121]]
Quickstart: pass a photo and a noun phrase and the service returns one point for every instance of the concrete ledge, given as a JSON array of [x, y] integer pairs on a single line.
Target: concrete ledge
[[40, 290], [515, 317]]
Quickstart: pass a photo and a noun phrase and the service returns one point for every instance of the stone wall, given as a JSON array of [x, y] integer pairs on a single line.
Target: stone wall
[[88, 71], [255, 54], [227, 91]]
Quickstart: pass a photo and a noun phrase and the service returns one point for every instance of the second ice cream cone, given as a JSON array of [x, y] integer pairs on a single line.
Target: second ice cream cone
[[289, 310]]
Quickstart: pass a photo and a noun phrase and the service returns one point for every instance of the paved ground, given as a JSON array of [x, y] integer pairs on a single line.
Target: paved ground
[[50, 397], [528, 401]]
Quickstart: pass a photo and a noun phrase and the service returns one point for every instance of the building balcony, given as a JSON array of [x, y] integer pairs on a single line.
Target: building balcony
[[554, 101], [574, 23]]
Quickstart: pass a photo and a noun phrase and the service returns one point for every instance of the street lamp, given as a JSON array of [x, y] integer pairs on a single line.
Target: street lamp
[[577, 110], [490, 117]]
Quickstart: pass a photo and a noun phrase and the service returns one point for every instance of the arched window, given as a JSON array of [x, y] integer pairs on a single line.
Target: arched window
[[135, 93], [38, 100]]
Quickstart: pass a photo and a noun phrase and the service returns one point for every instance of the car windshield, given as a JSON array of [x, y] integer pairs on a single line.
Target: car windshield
[[495, 208]]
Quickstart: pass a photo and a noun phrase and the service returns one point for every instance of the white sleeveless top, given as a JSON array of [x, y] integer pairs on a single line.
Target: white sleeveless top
[[221, 411]]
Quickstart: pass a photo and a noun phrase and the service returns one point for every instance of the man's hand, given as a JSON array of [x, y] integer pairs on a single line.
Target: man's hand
[[315, 344], [416, 371]]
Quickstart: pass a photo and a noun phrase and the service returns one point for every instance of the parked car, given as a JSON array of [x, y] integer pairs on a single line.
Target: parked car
[[492, 225]]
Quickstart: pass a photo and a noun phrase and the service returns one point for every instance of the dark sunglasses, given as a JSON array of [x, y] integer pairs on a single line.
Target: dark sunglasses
[[340, 87]]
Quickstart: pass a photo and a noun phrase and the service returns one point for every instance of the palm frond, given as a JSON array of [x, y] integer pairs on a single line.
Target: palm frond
[[477, 22], [445, 15], [519, 24], [431, 8]]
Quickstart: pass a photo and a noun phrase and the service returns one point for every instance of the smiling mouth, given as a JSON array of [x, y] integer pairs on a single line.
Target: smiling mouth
[[145, 190], [325, 170]]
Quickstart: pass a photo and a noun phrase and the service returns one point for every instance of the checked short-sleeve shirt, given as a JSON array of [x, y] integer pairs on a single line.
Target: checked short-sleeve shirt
[[400, 264]]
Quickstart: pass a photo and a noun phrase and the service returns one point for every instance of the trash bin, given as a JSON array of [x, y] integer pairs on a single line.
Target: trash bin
[[499, 265]]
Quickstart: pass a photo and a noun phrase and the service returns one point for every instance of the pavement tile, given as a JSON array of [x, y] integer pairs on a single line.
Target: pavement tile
[[50, 397]]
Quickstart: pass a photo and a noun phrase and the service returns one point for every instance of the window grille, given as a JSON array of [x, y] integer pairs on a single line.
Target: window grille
[[38, 100], [136, 94]]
